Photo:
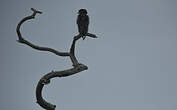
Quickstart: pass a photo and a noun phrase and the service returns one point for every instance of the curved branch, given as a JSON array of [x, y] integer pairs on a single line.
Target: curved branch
[[46, 80], [77, 67], [22, 40]]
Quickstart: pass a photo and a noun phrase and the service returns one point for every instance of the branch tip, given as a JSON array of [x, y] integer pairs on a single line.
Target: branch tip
[[36, 11]]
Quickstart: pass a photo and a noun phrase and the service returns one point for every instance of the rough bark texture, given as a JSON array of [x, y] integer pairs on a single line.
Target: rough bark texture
[[77, 67]]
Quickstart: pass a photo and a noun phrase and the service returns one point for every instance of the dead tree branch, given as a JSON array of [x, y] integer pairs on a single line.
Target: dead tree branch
[[77, 67]]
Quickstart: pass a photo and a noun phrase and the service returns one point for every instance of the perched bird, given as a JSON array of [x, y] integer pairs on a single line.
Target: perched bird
[[83, 22]]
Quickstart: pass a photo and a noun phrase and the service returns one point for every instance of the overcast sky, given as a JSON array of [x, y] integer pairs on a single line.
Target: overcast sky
[[131, 66]]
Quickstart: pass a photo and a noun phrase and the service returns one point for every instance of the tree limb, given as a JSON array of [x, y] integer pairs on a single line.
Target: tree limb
[[77, 67], [46, 80], [22, 40]]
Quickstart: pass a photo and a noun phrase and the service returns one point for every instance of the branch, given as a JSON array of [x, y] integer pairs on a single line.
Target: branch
[[91, 35], [23, 41], [87, 35], [77, 67], [46, 80]]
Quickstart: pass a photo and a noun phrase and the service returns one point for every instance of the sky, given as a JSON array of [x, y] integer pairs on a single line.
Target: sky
[[131, 66]]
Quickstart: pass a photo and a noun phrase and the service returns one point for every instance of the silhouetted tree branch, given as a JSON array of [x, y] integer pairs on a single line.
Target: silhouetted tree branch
[[77, 67]]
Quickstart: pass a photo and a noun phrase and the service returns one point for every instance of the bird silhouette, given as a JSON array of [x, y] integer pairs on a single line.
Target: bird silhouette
[[83, 22]]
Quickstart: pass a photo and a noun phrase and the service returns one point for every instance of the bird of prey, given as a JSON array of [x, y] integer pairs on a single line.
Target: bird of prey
[[83, 22]]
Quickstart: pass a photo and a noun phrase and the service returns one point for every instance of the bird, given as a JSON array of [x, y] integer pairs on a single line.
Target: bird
[[83, 22]]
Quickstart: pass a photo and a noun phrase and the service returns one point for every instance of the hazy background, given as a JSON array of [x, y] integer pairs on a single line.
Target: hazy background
[[132, 66]]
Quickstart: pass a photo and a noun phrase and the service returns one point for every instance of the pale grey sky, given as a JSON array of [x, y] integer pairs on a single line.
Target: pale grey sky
[[132, 66]]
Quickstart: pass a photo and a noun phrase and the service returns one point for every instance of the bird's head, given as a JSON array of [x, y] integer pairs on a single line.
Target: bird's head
[[82, 12]]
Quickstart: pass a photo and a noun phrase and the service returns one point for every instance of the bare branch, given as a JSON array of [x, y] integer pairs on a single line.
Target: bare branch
[[46, 80], [77, 67], [36, 11], [22, 40], [91, 35]]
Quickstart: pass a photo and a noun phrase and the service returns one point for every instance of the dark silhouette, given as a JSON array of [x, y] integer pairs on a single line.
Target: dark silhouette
[[77, 67], [83, 22]]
